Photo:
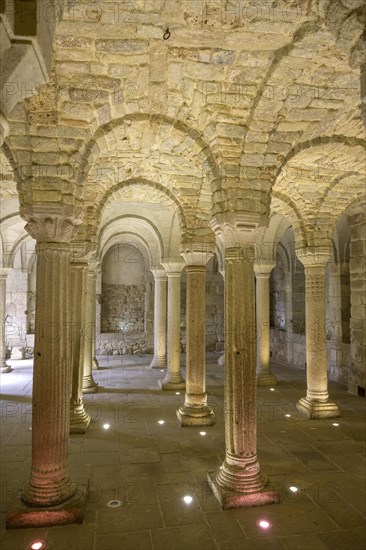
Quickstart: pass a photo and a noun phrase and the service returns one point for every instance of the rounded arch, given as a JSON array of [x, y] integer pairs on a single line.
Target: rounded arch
[[120, 237], [108, 196]]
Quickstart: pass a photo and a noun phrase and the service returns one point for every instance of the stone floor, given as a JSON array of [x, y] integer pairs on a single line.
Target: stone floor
[[150, 467]]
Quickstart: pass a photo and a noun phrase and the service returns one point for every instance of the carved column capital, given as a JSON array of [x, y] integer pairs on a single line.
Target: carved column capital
[[314, 256], [159, 273], [173, 266], [263, 269], [236, 229], [50, 223], [82, 252], [198, 255]]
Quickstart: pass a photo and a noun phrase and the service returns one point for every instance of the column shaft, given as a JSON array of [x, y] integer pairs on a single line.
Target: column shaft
[[173, 378], [79, 419], [89, 385], [264, 375], [316, 404], [3, 366], [195, 410], [240, 481], [50, 482], [160, 322]]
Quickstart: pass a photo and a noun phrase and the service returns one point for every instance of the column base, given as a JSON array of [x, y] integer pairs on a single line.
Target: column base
[[89, 385], [158, 363], [23, 516], [168, 385], [79, 419], [266, 379], [317, 409], [228, 498], [196, 416], [5, 368]]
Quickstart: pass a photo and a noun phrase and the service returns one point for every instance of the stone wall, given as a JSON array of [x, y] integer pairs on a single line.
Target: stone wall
[[123, 308], [357, 378]]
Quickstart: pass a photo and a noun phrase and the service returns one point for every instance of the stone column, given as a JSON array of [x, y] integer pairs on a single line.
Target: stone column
[[89, 384], [160, 313], [50, 495], [4, 367], [173, 379], [79, 419], [264, 375], [97, 323], [316, 403], [240, 482], [195, 411]]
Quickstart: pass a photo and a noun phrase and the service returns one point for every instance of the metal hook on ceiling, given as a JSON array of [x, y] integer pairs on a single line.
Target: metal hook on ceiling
[[166, 35]]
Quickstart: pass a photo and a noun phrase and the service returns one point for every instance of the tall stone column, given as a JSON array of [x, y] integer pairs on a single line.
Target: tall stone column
[[79, 419], [95, 362], [173, 379], [240, 482], [316, 404], [195, 411], [4, 367], [264, 375], [160, 319], [89, 384], [50, 497]]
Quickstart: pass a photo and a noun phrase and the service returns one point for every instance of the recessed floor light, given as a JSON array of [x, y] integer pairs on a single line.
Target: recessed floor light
[[37, 545], [188, 499], [271, 389], [161, 421], [114, 503], [288, 415], [106, 426], [335, 424], [264, 524], [293, 489], [203, 433], [177, 393]]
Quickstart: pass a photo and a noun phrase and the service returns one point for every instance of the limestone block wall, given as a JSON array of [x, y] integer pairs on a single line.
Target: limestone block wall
[[123, 320], [357, 377]]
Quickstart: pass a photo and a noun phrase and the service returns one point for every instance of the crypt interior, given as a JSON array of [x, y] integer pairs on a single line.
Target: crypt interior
[[182, 274]]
